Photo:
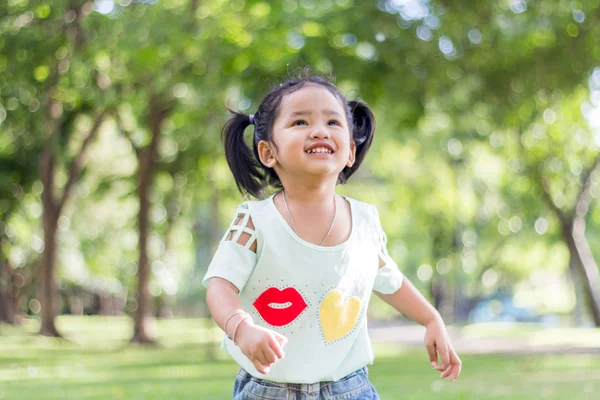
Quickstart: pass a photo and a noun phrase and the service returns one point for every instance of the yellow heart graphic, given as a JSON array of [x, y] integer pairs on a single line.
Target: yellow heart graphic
[[338, 317]]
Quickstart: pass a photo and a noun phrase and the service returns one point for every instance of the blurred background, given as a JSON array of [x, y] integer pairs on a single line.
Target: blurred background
[[114, 190]]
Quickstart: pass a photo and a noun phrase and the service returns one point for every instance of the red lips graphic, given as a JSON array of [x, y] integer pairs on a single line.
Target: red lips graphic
[[283, 315]]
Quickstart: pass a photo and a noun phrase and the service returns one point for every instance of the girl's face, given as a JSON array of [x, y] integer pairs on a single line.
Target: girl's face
[[311, 134]]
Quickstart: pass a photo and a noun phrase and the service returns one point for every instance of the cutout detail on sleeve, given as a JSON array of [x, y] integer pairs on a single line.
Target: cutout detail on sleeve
[[236, 255], [241, 230]]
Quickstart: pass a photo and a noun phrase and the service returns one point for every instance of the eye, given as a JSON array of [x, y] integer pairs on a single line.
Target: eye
[[299, 122], [335, 122]]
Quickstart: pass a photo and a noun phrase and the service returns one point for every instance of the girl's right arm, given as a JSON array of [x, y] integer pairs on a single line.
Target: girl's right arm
[[262, 346]]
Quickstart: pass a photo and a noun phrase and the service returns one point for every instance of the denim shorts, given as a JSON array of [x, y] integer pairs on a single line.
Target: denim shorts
[[351, 387]]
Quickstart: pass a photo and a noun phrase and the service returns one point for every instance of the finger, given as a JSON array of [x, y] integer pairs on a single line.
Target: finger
[[457, 365], [275, 345], [260, 357], [454, 357], [282, 340], [455, 372], [444, 354], [454, 368], [260, 367], [432, 354], [269, 355], [447, 371]]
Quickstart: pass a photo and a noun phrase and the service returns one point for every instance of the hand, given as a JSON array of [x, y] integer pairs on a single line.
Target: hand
[[438, 341], [262, 346]]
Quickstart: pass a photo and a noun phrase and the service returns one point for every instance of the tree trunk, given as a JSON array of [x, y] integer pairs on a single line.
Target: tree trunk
[[47, 276], [7, 291], [3, 303], [47, 282], [441, 244], [579, 248], [575, 278], [142, 315], [147, 159], [574, 234], [3, 291], [7, 301], [53, 207], [573, 231]]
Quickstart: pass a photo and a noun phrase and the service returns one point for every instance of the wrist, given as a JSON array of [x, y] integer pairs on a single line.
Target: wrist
[[244, 321], [245, 325], [232, 320], [434, 319]]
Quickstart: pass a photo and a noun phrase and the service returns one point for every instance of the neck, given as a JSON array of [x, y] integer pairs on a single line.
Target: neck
[[310, 195]]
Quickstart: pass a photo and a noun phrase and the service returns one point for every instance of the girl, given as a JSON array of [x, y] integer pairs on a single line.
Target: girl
[[291, 280]]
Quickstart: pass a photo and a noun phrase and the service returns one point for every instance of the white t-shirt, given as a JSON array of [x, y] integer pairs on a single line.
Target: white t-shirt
[[315, 296]]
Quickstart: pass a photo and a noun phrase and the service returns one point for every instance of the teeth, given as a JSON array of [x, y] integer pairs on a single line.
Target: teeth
[[319, 150]]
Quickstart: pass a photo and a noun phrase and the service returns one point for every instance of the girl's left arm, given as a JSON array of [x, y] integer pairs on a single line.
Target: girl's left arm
[[412, 304]]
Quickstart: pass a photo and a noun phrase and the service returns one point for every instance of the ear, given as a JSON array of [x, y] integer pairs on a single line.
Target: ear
[[266, 154], [352, 155]]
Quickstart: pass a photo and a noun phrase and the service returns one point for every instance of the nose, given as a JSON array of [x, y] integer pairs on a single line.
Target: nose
[[320, 132]]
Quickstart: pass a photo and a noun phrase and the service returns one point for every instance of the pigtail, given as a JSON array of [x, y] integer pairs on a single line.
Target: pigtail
[[363, 130], [243, 165]]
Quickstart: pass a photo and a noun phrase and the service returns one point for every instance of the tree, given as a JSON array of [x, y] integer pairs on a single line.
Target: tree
[[58, 121], [519, 90]]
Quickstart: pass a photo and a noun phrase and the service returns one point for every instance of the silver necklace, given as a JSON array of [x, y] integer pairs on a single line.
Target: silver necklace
[[292, 220]]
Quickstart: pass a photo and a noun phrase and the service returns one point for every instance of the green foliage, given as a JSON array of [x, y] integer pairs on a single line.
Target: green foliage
[[478, 105]]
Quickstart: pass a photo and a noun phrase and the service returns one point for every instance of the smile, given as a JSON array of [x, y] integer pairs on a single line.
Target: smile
[[319, 150], [280, 307]]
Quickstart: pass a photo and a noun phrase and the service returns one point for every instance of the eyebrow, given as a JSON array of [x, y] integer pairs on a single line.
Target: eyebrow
[[305, 112]]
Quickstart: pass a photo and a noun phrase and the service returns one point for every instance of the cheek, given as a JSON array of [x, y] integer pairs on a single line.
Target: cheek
[[344, 143], [289, 144]]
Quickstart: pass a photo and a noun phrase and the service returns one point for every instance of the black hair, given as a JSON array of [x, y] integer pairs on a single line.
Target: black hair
[[250, 175]]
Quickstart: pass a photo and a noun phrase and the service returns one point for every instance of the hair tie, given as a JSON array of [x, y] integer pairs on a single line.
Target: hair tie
[[251, 119]]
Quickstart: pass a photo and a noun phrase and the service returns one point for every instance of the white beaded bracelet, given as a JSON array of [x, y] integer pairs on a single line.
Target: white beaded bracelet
[[231, 316], [238, 324]]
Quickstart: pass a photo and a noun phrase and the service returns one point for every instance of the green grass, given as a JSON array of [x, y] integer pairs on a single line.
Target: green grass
[[98, 363]]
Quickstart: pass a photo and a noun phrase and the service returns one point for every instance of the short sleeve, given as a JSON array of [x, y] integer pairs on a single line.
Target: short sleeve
[[389, 278], [234, 260]]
